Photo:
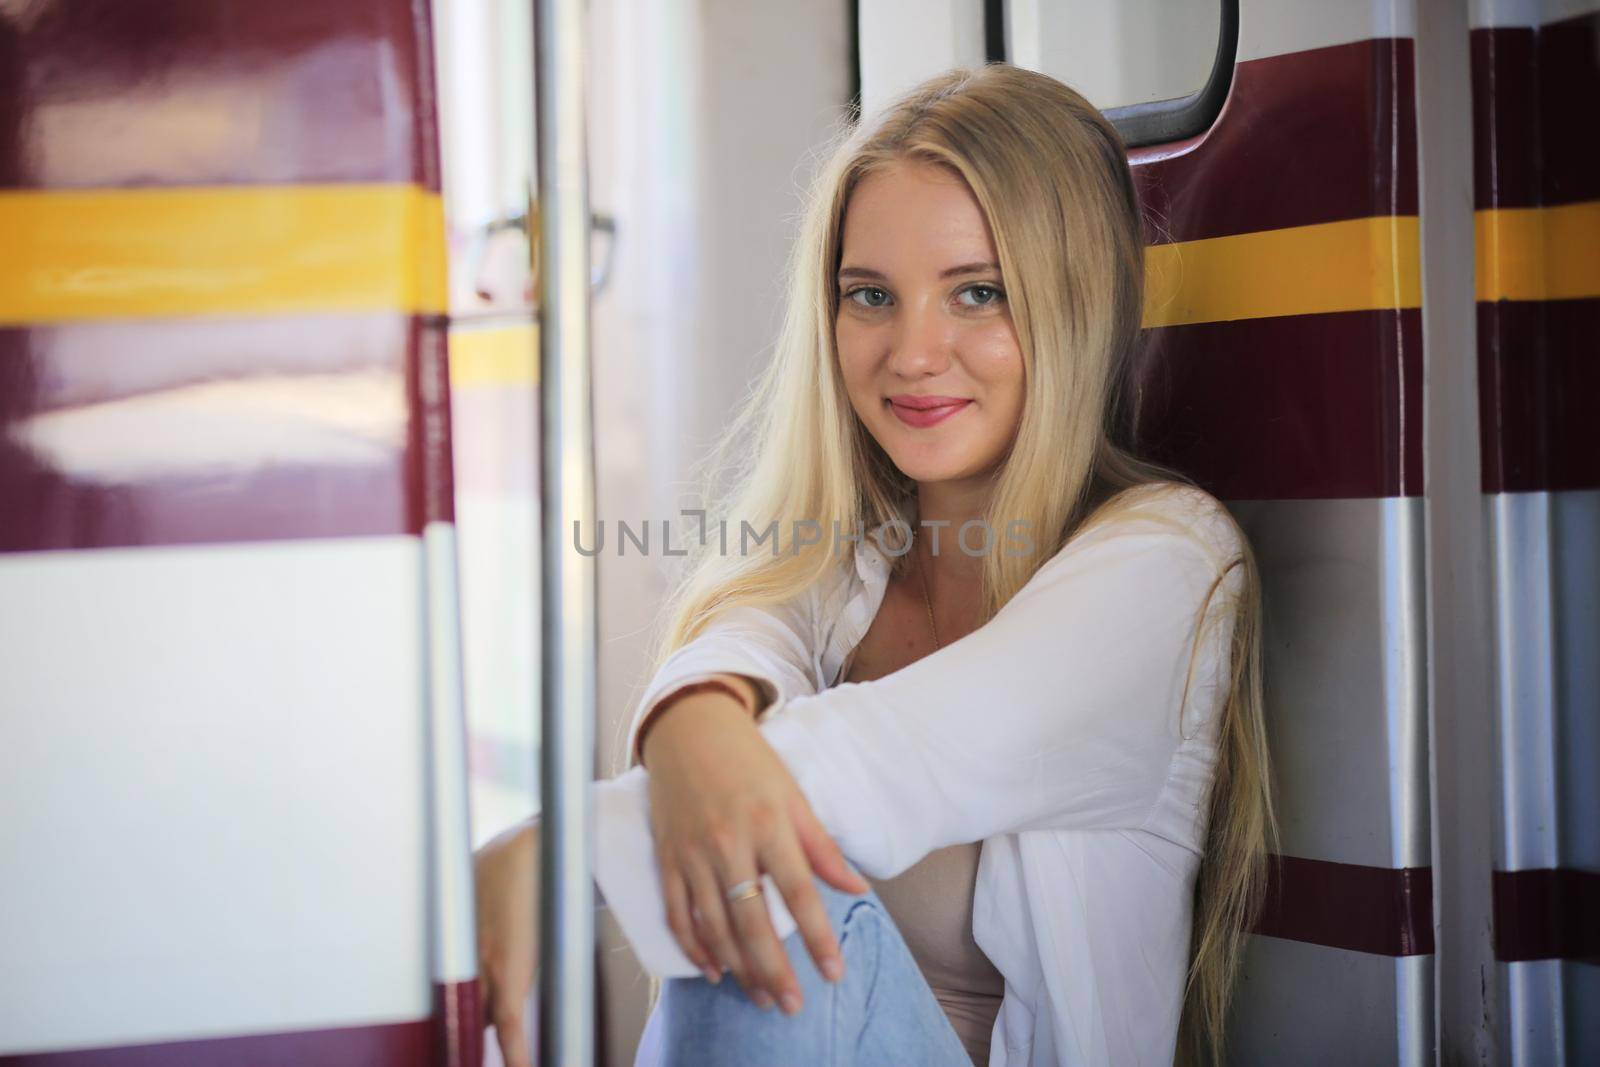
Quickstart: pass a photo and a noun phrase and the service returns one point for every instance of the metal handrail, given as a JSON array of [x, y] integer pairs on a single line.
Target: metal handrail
[[568, 603]]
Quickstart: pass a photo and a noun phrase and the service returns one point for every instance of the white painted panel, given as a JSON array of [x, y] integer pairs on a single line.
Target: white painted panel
[[1277, 27], [904, 42], [498, 537], [212, 769], [1118, 52], [1528, 12]]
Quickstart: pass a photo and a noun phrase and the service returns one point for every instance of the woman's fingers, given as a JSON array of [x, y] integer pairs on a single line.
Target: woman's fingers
[[763, 952], [506, 893], [705, 887], [735, 860], [509, 1033], [795, 880], [821, 851], [680, 918]]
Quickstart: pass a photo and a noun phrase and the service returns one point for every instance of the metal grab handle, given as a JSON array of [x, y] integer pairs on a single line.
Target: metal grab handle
[[599, 277]]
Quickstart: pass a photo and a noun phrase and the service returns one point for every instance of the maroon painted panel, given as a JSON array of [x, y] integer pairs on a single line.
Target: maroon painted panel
[[1533, 99], [1303, 406], [1538, 384], [1380, 910], [1295, 407], [389, 1045], [1535, 145], [458, 1024], [170, 432], [431, 487], [182, 432], [1504, 101], [1549, 914], [179, 92], [1309, 137]]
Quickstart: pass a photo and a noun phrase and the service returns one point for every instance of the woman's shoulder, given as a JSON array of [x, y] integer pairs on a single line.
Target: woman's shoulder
[[1185, 510]]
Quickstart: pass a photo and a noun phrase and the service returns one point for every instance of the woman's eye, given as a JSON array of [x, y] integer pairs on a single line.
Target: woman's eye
[[993, 295], [852, 294]]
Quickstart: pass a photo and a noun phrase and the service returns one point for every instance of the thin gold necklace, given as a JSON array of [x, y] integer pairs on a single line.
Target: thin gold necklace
[[928, 600]]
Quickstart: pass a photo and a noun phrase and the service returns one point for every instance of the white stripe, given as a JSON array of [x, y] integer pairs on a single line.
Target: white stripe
[[212, 772], [455, 957], [1500, 13], [1278, 27]]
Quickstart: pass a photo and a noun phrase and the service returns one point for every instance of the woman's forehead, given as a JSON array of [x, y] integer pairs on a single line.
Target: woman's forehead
[[913, 211]]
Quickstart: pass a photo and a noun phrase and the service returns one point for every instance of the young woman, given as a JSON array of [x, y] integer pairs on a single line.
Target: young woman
[[1004, 667]]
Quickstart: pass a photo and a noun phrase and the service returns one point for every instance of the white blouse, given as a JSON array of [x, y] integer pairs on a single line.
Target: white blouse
[[1057, 734]]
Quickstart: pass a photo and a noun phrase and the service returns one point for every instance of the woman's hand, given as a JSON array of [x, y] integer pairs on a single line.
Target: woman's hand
[[506, 884], [723, 809]]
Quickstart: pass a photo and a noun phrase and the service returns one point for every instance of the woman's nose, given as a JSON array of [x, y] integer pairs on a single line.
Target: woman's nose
[[922, 342]]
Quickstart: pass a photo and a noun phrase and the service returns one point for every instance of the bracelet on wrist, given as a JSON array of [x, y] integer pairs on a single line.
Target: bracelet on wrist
[[709, 684]]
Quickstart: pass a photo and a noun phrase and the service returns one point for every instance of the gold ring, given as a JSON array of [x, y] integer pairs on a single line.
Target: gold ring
[[746, 889]]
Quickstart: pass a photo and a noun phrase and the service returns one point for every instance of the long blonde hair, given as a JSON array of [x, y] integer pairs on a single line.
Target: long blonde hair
[[1051, 175]]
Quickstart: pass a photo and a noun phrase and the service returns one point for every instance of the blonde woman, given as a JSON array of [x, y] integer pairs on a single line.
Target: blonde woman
[[990, 658]]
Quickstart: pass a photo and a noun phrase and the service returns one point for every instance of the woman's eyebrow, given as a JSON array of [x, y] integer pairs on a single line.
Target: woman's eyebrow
[[951, 272]]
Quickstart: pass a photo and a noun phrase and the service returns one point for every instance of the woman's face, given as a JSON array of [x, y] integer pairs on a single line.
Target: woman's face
[[926, 344]]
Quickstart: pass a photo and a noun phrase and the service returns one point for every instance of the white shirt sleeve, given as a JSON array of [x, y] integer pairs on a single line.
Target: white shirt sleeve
[[1061, 712]]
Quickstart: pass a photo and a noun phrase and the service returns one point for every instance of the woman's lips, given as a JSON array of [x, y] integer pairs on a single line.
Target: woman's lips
[[925, 411]]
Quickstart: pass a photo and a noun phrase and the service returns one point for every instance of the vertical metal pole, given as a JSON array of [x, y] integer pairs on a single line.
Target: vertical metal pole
[[566, 914]]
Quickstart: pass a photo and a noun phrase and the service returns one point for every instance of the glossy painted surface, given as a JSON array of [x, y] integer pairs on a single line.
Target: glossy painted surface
[[226, 220], [117, 93], [118, 434], [222, 344], [1536, 152], [395, 1045], [1537, 195], [1378, 910], [111, 254], [1298, 399], [1293, 396]]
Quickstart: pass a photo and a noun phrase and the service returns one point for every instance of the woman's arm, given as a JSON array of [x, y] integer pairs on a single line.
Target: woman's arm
[[764, 650], [1063, 711]]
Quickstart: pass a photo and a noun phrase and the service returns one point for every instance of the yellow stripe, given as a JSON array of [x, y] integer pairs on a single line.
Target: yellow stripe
[[1356, 265], [496, 355], [232, 250], [1550, 253]]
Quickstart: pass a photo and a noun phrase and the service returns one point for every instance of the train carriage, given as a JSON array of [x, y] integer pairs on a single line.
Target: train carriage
[[272, 482]]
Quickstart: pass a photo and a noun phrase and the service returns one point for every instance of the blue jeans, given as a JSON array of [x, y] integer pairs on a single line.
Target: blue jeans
[[881, 1013]]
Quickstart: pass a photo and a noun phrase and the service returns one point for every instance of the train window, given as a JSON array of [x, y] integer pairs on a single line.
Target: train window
[[1159, 69]]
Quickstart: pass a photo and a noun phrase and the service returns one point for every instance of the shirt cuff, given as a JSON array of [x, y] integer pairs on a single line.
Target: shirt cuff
[[629, 882]]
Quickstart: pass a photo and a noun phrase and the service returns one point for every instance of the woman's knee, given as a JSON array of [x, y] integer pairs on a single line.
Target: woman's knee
[[843, 907]]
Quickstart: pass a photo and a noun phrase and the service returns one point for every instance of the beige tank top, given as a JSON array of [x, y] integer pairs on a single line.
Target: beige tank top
[[931, 903]]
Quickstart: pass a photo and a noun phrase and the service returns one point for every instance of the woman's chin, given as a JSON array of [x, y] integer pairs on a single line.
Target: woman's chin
[[930, 472]]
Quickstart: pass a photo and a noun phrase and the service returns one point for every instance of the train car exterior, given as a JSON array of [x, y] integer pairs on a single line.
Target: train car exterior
[[236, 823]]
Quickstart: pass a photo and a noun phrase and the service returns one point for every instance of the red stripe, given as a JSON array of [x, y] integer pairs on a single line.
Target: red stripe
[[1309, 137], [278, 91], [1533, 98], [429, 462], [1538, 378], [1296, 407], [390, 1045], [1533, 95], [1379, 910], [458, 1024], [77, 401], [1547, 914]]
